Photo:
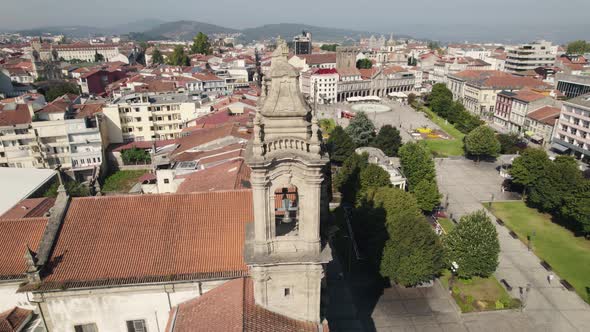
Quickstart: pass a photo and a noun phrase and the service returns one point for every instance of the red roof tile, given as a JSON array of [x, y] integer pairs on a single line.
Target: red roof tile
[[318, 58], [14, 114], [546, 114], [233, 174], [190, 156], [29, 208], [205, 135], [231, 308], [15, 235], [14, 319], [59, 105], [528, 96], [113, 240]]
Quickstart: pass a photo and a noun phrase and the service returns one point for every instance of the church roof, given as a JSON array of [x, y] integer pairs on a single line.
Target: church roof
[[13, 320], [15, 235], [117, 240], [29, 208], [231, 308]]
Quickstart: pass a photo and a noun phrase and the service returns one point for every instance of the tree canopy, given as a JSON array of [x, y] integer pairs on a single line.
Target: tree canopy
[[473, 244], [157, 57], [578, 47], [361, 130], [510, 143], [329, 47], [364, 64], [98, 57], [347, 180], [427, 195], [417, 163], [529, 167], [373, 176], [388, 140], [201, 44], [179, 57], [441, 102], [340, 145], [482, 142], [60, 89]]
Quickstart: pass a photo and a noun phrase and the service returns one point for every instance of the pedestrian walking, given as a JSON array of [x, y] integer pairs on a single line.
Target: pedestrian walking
[[550, 278]]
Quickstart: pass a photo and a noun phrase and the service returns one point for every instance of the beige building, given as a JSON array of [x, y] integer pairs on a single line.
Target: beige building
[[539, 124], [147, 117], [530, 56]]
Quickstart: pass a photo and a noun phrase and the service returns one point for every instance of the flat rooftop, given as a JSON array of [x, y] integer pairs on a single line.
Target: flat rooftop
[[20, 183]]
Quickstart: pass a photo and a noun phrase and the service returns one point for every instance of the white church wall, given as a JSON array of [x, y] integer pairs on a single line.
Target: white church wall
[[9, 298], [111, 308]]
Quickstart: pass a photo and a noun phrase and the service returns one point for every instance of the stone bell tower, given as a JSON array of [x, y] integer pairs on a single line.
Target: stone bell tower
[[283, 246]]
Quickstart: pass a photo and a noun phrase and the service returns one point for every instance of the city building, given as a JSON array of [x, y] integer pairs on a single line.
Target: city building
[[96, 81], [304, 62], [572, 133], [539, 124], [77, 51], [324, 80], [302, 43], [56, 134], [477, 89], [572, 85], [530, 56], [376, 81], [147, 117], [445, 67], [512, 107]]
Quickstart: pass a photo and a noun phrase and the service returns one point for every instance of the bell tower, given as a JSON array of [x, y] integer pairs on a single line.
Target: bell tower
[[284, 250]]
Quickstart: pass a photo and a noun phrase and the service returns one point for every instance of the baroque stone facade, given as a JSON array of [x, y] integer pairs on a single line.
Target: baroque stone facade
[[284, 250]]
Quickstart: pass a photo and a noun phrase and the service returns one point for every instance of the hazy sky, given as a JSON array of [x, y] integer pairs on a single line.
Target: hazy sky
[[375, 15]]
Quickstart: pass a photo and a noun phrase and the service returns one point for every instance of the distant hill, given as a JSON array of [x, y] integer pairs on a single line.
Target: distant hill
[[290, 30], [75, 31], [186, 30]]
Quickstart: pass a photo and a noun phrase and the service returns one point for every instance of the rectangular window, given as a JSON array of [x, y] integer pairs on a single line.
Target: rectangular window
[[287, 292], [86, 328], [137, 325]]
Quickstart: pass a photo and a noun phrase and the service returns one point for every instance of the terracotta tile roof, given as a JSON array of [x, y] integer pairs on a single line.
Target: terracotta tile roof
[[393, 69], [205, 135], [15, 235], [318, 58], [527, 96], [349, 72], [368, 73], [498, 80], [156, 86], [29, 208], [59, 105], [230, 175], [547, 115], [114, 240], [206, 77], [222, 116], [88, 109], [231, 308], [194, 156], [14, 114], [13, 320]]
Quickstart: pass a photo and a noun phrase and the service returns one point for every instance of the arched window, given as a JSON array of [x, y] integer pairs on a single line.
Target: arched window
[[286, 211]]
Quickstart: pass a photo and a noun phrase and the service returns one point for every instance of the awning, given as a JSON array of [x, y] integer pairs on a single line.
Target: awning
[[559, 147], [536, 138]]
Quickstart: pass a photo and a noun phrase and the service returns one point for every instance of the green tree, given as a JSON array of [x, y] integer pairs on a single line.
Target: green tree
[[396, 202], [157, 57], [347, 180], [388, 140], [135, 155], [327, 126], [578, 47], [440, 99], [364, 64], [373, 176], [417, 163], [482, 141], [179, 57], [329, 47], [340, 145], [433, 45], [413, 254], [577, 207], [98, 57], [411, 99], [474, 245], [73, 188], [427, 195], [201, 44], [510, 143], [557, 184], [60, 89], [361, 130], [527, 169]]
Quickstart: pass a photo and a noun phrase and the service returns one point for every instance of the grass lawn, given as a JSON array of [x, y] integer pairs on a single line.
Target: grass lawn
[[440, 147], [479, 294], [447, 224], [122, 181], [569, 256]]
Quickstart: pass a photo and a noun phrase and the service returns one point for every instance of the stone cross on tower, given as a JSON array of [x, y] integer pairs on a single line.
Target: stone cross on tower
[[283, 246]]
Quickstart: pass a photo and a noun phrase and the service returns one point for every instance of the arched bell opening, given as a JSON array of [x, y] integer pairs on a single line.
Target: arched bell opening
[[286, 211]]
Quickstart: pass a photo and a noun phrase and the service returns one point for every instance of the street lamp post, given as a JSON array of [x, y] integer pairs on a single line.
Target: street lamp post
[[454, 270]]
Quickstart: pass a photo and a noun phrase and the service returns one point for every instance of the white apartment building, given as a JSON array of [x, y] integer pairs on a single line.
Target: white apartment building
[[468, 50], [572, 133], [326, 81], [530, 56], [51, 136], [145, 117]]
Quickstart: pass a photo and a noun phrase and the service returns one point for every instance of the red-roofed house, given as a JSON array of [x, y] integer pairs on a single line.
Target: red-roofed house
[[304, 62], [512, 108], [325, 80], [539, 124]]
